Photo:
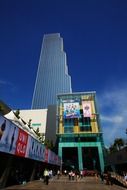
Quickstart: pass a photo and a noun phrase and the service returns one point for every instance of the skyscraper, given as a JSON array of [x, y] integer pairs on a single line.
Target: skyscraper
[[52, 75]]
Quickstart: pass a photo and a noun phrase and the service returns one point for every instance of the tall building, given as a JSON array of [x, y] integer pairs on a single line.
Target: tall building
[[52, 75]]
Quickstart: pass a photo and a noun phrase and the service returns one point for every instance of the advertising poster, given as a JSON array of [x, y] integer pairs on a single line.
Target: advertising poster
[[86, 108], [21, 144], [16, 141], [35, 150], [71, 110], [8, 136]]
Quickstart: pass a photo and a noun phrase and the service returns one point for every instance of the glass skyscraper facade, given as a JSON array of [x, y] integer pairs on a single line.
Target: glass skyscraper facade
[[52, 75]]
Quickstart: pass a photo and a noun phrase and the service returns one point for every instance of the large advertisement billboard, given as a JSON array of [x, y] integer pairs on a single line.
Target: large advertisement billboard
[[86, 108], [71, 110], [21, 143], [35, 150], [16, 141], [8, 136]]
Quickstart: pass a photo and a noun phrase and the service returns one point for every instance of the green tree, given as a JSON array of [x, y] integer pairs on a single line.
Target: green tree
[[17, 113], [49, 144], [37, 132], [29, 123], [1, 109], [112, 148], [119, 143]]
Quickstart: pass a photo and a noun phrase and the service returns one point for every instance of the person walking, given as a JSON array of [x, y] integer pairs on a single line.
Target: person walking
[[58, 174], [102, 177], [46, 176]]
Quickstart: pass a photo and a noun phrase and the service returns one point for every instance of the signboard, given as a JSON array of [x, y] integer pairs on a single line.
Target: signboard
[[86, 108], [71, 110], [16, 141], [34, 149], [21, 144], [8, 136]]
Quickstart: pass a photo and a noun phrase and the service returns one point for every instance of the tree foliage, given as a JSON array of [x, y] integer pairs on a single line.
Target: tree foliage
[[29, 123], [49, 144], [117, 145], [17, 113]]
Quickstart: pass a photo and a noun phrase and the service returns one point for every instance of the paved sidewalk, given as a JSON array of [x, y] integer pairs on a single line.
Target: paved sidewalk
[[88, 183]]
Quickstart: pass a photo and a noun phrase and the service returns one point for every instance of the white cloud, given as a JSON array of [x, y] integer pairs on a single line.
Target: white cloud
[[3, 82], [113, 113], [113, 119]]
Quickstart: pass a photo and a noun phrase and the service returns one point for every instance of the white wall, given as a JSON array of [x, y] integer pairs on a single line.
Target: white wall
[[38, 116]]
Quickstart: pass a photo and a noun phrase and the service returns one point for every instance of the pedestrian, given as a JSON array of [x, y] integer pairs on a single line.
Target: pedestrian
[[65, 172], [125, 178], [102, 177], [46, 176], [50, 174], [96, 176], [110, 178], [81, 174], [58, 174], [73, 175], [70, 175], [77, 175]]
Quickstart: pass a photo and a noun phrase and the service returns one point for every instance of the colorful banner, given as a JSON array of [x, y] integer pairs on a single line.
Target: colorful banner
[[8, 136], [71, 110], [86, 108], [16, 141], [21, 144], [35, 150]]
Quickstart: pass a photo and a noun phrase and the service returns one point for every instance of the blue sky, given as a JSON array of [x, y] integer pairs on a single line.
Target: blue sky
[[95, 41]]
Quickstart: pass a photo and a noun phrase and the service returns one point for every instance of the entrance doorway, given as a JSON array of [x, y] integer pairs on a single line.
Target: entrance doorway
[[91, 158], [70, 157]]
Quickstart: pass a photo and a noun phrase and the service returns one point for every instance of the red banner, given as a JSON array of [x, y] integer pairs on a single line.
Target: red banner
[[21, 144]]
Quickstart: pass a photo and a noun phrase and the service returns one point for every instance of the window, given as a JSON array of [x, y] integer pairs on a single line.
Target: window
[[85, 123]]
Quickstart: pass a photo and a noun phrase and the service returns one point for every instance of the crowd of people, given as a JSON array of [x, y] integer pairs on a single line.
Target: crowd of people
[[105, 178]]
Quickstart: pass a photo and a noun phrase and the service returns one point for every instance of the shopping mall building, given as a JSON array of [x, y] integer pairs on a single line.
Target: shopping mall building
[[79, 132]]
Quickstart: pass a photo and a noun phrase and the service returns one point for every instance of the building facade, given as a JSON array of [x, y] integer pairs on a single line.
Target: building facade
[[44, 120], [52, 75], [78, 130], [38, 118]]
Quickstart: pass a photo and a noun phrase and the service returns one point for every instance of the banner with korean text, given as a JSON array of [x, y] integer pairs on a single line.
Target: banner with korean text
[[16, 141]]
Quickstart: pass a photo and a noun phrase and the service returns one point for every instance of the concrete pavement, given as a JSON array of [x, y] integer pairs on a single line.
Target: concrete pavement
[[87, 183]]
